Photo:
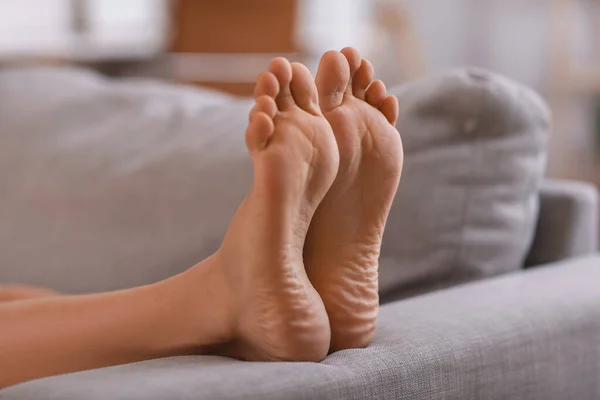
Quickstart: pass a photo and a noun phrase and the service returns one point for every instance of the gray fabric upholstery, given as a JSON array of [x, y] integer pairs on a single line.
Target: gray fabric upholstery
[[567, 227], [97, 189], [467, 206], [568, 224], [531, 335], [111, 184]]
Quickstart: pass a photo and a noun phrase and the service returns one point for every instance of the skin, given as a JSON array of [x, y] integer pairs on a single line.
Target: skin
[[344, 240], [254, 299], [251, 300], [22, 292]]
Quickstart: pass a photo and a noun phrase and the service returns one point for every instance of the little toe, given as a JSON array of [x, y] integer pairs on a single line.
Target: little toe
[[390, 109], [332, 80], [259, 131], [362, 79], [282, 69], [266, 85], [354, 62], [375, 93], [304, 90]]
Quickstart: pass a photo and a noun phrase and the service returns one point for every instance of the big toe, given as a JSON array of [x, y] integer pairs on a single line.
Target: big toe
[[332, 80]]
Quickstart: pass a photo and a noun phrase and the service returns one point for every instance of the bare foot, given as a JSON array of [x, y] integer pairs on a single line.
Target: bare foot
[[276, 312], [344, 240], [21, 292]]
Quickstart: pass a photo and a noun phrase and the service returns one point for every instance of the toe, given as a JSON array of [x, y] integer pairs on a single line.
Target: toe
[[304, 90], [375, 94], [332, 80], [389, 108], [264, 104], [266, 85], [362, 79], [282, 69], [354, 61], [259, 131]]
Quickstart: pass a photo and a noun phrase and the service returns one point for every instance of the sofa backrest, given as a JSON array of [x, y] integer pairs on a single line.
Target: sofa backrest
[[109, 184]]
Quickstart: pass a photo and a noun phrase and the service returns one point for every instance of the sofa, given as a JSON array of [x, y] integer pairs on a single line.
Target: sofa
[[490, 276]]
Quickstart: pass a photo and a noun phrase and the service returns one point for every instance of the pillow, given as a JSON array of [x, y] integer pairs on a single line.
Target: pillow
[[109, 184], [467, 206]]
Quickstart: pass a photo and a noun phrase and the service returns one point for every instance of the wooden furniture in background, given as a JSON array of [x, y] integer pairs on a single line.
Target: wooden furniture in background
[[397, 27], [224, 44], [571, 84]]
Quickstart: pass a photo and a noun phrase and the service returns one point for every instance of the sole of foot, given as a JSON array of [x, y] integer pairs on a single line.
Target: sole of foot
[[344, 240], [275, 312]]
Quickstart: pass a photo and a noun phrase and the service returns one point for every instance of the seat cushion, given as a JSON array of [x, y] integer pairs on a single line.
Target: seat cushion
[[106, 184], [529, 336]]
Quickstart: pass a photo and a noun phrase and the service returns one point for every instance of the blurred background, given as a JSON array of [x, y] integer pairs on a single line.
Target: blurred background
[[550, 45]]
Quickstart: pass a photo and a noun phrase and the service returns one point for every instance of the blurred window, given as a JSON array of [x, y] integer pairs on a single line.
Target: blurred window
[[82, 29]]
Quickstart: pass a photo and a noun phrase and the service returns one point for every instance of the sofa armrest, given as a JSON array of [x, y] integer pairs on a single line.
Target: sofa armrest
[[568, 223]]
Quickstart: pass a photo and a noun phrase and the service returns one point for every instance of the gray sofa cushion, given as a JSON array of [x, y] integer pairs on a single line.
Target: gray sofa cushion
[[529, 335], [467, 206], [106, 185], [109, 184]]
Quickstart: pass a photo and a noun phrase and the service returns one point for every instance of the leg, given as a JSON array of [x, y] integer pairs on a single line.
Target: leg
[[20, 292], [251, 299], [344, 240], [56, 335]]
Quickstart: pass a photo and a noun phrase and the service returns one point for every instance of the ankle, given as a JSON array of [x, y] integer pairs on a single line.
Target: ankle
[[206, 305]]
